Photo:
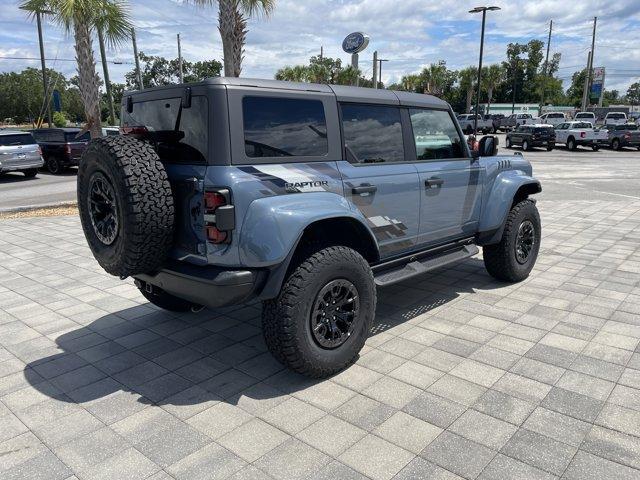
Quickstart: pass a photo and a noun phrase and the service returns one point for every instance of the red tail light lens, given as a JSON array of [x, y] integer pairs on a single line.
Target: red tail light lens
[[39, 150], [583, 134], [139, 130], [67, 149], [213, 200], [215, 236]]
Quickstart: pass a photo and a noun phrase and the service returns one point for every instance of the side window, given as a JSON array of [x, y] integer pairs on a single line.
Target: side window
[[435, 134], [372, 133], [182, 140], [284, 127]]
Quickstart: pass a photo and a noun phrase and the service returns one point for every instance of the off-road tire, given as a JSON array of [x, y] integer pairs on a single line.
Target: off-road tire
[[500, 259], [31, 173], [144, 205], [286, 319], [166, 301]]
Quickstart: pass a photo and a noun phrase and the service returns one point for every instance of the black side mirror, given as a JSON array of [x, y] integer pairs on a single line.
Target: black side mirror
[[488, 146]]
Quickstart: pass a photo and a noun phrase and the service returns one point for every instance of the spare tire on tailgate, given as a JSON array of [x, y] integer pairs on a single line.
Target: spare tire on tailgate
[[126, 205]]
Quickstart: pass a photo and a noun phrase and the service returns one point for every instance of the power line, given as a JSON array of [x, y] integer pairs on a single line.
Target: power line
[[115, 62]]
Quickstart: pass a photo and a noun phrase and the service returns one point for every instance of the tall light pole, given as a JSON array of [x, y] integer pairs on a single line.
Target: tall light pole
[[484, 17], [380, 60]]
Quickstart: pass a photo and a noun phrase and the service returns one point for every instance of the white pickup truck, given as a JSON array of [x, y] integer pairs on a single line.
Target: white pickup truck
[[467, 120], [576, 133]]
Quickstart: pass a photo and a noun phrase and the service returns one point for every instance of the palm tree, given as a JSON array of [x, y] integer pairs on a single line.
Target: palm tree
[[467, 79], [84, 17], [232, 24], [297, 73], [492, 77]]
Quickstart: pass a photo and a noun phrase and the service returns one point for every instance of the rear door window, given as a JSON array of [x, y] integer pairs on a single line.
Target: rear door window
[[180, 135], [435, 134], [17, 139], [372, 133], [73, 137], [284, 127]]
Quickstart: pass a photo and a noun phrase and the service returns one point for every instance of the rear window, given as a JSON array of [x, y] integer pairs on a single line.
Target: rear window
[[17, 139], [555, 115], [583, 125], [616, 116], [48, 135], [283, 127], [543, 130], [585, 115], [177, 140]]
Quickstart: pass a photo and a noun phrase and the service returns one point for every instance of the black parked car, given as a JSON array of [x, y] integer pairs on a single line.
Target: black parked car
[[61, 147], [530, 136]]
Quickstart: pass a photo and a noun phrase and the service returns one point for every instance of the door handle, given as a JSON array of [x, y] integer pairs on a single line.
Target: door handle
[[433, 182], [364, 189]]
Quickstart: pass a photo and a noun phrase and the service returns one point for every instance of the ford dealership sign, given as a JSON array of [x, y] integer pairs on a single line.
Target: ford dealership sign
[[355, 42]]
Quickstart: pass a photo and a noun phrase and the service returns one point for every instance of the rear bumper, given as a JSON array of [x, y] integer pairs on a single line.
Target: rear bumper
[[209, 286], [26, 165]]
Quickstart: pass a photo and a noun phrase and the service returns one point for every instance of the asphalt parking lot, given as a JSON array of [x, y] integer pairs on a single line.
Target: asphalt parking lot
[[18, 191], [462, 377]]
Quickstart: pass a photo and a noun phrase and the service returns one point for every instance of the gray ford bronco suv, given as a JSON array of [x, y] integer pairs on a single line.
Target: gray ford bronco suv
[[305, 197]]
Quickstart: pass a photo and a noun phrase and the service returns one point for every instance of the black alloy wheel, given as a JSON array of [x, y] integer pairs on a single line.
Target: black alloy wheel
[[53, 165], [525, 241], [103, 208], [335, 313]]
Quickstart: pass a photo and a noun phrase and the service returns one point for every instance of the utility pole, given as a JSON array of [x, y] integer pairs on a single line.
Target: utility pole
[[107, 82], [593, 52], [321, 53], [135, 54], [585, 91], [546, 67], [375, 69], [180, 61], [380, 60], [514, 68], [44, 71]]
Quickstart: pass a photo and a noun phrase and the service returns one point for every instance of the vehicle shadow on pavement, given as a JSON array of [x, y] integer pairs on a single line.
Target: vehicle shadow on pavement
[[215, 355]]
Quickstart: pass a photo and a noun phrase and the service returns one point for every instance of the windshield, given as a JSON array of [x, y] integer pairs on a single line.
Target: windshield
[[17, 139]]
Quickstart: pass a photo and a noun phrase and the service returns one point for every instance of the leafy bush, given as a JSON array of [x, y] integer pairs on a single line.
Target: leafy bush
[[59, 119]]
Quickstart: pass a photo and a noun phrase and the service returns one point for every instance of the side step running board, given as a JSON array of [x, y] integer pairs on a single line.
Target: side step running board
[[418, 267]]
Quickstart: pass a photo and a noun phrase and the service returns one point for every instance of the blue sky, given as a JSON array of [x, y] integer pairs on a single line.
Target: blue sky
[[410, 33]]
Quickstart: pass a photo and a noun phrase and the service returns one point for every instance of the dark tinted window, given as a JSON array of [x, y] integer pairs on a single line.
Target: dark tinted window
[[616, 116], [283, 127], [183, 141], [17, 139], [73, 137], [48, 135], [435, 134], [372, 133]]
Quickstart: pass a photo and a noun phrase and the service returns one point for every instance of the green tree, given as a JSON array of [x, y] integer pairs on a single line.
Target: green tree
[[322, 70], [84, 17], [157, 71], [468, 77], [633, 93], [492, 77], [610, 97], [437, 79], [59, 119], [232, 24], [574, 92]]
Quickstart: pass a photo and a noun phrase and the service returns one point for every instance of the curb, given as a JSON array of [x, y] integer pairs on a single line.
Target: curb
[[42, 206]]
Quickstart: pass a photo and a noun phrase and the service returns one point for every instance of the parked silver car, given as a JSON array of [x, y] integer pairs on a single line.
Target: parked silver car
[[19, 152]]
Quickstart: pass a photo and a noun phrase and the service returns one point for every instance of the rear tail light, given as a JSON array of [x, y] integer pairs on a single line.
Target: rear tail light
[[583, 134], [39, 150], [67, 149], [219, 215], [135, 130], [627, 136]]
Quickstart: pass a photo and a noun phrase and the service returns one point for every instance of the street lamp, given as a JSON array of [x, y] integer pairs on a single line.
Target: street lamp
[[484, 16]]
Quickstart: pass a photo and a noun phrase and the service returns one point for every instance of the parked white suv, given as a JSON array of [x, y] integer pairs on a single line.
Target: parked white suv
[[553, 118], [586, 117], [615, 118]]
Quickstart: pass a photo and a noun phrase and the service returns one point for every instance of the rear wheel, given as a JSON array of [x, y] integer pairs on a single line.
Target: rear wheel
[[32, 172], [571, 144], [550, 147], [525, 145], [322, 316], [595, 148], [512, 259], [507, 142], [615, 144], [54, 166]]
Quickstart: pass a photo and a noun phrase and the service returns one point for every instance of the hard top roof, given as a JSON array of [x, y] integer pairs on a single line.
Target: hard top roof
[[13, 132], [63, 129], [343, 93]]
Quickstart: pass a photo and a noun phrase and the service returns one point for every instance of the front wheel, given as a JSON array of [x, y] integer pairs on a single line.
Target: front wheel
[[571, 144], [595, 148], [32, 172], [549, 147], [513, 258], [507, 142], [615, 144], [525, 146], [320, 320]]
